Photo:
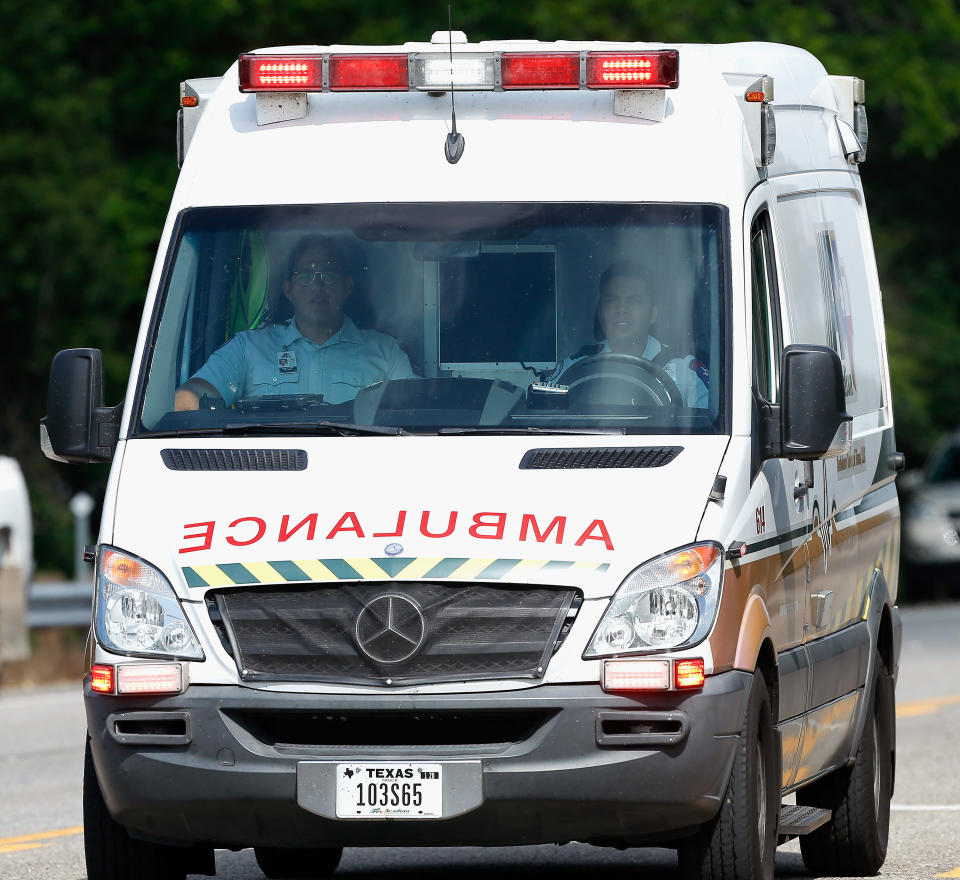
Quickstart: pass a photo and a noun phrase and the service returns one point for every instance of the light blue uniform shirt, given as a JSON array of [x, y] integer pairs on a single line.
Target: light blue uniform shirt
[[280, 360], [686, 372]]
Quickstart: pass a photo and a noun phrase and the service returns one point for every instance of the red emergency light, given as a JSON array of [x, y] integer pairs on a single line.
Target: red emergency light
[[375, 73], [281, 73], [550, 70], [633, 70]]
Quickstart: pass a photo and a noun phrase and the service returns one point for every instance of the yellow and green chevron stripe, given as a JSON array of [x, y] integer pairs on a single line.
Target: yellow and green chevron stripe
[[281, 571]]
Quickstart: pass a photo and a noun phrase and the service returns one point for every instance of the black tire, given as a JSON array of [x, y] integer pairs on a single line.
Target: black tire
[[287, 864], [854, 842], [740, 842], [111, 853]]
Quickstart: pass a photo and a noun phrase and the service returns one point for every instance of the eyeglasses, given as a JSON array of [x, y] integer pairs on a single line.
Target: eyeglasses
[[328, 277]]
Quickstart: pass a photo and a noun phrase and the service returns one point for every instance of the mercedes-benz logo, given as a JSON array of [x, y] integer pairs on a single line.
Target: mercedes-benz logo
[[390, 628]]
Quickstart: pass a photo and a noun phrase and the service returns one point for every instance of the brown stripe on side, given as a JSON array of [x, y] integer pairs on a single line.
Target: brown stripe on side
[[776, 586]]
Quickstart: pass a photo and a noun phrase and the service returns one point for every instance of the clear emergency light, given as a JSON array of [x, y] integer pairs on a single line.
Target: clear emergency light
[[466, 71], [440, 72]]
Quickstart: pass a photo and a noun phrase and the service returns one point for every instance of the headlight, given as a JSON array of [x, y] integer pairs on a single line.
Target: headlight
[[138, 612], [665, 603]]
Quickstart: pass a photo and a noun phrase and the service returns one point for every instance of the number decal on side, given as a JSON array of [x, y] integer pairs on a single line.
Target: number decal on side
[[761, 520]]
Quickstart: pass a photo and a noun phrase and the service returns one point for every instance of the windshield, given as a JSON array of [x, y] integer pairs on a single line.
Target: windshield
[[429, 318]]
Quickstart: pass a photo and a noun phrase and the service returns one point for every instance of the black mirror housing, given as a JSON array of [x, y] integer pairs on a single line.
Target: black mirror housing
[[78, 427], [813, 418]]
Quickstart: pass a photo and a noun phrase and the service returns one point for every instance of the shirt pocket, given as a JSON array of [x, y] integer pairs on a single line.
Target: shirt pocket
[[263, 382], [350, 374]]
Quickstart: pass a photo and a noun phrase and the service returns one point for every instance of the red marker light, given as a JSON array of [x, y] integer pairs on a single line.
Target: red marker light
[[281, 73], [101, 679], [688, 673], [369, 73], [633, 70], [189, 101], [555, 70]]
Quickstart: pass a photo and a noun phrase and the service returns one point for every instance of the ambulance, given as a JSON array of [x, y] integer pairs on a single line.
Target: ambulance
[[507, 458]]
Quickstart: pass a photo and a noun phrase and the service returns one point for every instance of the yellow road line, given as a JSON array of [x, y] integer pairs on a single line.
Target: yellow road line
[[926, 707], [20, 846], [40, 835], [954, 873]]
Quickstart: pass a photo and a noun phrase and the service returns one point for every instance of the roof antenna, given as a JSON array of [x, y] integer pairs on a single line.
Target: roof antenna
[[453, 146]]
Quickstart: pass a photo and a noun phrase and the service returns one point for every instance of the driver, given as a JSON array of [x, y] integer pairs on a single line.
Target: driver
[[318, 351], [625, 312]]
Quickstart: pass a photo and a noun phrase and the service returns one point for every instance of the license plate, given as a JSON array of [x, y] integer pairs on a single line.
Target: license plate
[[389, 791]]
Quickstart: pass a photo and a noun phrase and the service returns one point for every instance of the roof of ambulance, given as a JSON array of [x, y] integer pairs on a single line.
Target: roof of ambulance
[[564, 145]]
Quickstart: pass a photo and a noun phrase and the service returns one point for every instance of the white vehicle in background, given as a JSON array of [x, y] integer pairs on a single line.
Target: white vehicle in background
[[16, 561], [931, 523], [499, 581]]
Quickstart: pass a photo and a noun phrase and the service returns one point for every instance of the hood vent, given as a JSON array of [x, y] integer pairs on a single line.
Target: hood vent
[[603, 457], [235, 459]]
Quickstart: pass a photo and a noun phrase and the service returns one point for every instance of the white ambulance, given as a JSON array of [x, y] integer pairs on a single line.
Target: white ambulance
[[507, 458]]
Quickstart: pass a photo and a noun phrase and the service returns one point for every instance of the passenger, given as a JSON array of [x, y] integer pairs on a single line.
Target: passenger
[[320, 350], [625, 313]]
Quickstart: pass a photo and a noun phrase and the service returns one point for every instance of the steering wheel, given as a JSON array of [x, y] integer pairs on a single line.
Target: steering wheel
[[627, 380]]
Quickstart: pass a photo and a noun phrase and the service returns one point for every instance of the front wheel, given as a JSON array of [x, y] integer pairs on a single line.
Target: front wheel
[[854, 842], [739, 843]]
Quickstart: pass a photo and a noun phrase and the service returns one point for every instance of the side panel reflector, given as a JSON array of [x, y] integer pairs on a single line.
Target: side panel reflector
[[633, 70]]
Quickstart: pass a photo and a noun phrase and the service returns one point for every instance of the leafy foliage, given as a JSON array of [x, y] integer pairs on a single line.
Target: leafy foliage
[[86, 150]]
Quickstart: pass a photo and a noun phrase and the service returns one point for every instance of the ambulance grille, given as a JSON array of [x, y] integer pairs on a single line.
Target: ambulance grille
[[392, 634], [602, 457], [235, 459]]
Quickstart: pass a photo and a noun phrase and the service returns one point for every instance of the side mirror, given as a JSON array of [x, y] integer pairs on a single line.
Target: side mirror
[[811, 422], [78, 427]]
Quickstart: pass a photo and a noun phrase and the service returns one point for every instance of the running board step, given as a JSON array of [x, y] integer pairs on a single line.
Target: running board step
[[794, 821]]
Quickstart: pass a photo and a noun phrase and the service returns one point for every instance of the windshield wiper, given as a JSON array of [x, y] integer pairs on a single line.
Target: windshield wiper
[[323, 426], [527, 429]]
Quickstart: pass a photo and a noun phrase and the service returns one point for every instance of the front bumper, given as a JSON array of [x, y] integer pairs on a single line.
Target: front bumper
[[207, 766]]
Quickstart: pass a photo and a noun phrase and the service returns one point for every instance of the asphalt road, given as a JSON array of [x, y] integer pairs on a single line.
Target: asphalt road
[[41, 757]]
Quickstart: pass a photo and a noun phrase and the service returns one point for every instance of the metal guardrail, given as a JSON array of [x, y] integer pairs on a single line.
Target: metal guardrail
[[59, 603]]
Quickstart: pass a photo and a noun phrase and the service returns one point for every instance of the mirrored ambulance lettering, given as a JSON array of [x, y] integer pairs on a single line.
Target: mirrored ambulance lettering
[[485, 525]]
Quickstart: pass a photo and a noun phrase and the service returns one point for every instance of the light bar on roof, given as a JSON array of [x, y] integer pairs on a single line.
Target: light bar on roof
[[464, 71]]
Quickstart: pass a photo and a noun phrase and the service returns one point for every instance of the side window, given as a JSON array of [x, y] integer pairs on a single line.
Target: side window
[[767, 338]]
